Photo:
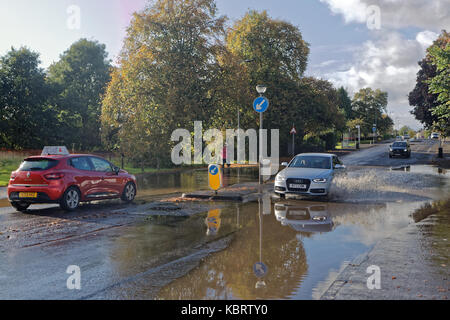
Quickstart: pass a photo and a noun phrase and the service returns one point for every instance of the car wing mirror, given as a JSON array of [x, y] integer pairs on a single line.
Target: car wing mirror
[[116, 170]]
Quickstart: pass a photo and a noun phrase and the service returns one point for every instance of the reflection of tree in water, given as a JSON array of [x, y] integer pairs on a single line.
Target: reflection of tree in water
[[229, 274]]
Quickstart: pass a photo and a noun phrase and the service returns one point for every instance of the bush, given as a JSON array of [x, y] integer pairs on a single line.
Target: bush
[[330, 139]]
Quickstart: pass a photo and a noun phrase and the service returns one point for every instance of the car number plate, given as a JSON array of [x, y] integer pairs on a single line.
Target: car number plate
[[298, 186], [298, 212], [27, 194]]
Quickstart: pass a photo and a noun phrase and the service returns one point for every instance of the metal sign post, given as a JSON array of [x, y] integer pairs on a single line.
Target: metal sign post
[[293, 132], [359, 136], [260, 105]]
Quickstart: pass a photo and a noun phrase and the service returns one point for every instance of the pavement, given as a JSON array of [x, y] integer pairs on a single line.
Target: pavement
[[413, 262], [244, 192]]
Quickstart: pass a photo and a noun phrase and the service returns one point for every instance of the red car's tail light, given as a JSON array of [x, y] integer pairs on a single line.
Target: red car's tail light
[[13, 176], [54, 176]]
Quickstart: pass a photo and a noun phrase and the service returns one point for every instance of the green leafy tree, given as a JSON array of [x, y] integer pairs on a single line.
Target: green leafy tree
[[26, 118], [165, 79], [345, 103], [429, 106], [80, 78], [440, 86], [275, 54], [370, 106]]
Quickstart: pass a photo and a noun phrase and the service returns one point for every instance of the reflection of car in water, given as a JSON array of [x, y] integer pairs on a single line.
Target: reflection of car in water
[[304, 217]]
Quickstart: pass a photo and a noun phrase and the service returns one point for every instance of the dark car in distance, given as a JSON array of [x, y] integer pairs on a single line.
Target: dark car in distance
[[400, 149]]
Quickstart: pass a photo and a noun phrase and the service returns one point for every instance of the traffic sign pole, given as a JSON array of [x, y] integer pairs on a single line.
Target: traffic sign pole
[[260, 149], [260, 105], [293, 144]]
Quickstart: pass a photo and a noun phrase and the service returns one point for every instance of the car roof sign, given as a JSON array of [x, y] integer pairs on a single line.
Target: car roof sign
[[53, 151]]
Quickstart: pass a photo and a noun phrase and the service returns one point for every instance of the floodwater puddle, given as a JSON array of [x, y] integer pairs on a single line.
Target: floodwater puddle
[[299, 243]]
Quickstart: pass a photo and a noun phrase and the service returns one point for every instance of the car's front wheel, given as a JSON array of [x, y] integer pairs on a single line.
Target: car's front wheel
[[71, 199], [281, 195], [129, 192], [20, 206]]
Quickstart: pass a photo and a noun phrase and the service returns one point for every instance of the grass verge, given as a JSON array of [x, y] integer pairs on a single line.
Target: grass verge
[[6, 167]]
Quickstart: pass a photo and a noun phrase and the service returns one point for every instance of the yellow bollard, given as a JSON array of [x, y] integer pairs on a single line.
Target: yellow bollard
[[214, 177]]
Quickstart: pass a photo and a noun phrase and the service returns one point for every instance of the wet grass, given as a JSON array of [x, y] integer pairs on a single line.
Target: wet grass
[[6, 167], [429, 209]]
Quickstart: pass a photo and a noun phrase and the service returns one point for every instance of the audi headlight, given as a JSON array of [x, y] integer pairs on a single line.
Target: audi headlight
[[319, 218], [405, 150], [280, 178], [391, 149], [322, 180]]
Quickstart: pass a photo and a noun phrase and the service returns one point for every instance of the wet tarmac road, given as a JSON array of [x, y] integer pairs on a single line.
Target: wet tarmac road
[[135, 252]]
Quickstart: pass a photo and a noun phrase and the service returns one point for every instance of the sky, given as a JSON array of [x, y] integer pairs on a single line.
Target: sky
[[354, 43]]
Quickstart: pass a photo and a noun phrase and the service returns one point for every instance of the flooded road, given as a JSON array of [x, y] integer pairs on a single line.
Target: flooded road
[[301, 253], [192, 180], [212, 250]]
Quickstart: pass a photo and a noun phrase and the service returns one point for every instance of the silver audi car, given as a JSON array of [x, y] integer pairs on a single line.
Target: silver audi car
[[308, 174]]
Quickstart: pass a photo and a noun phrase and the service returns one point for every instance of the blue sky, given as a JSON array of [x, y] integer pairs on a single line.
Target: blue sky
[[343, 49]]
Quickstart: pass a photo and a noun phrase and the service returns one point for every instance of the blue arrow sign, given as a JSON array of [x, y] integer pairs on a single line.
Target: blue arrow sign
[[374, 129], [214, 170], [260, 269], [261, 104]]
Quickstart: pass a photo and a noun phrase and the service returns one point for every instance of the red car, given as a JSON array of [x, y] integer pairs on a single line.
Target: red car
[[59, 177]]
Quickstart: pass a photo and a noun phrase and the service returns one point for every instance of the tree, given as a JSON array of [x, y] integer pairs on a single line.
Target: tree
[[166, 77], [440, 86], [370, 106], [345, 103], [404, 130], [277, 57], [423, 97], [25, 117], [80, 78]]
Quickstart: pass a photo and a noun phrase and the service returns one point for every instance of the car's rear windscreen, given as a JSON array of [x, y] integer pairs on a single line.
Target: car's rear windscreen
[[37, 164]]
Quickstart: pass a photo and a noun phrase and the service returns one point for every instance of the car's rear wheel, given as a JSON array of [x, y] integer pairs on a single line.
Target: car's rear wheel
[[71, 199], [129, 192], [20, 206]]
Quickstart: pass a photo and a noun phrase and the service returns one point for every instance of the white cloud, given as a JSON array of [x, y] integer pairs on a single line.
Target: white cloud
[[427, 14], [426, 38], [388, 63]]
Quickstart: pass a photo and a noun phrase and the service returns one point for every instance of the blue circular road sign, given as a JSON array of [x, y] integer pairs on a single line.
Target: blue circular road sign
[[261, 104], [260, 269], [214, 170]]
